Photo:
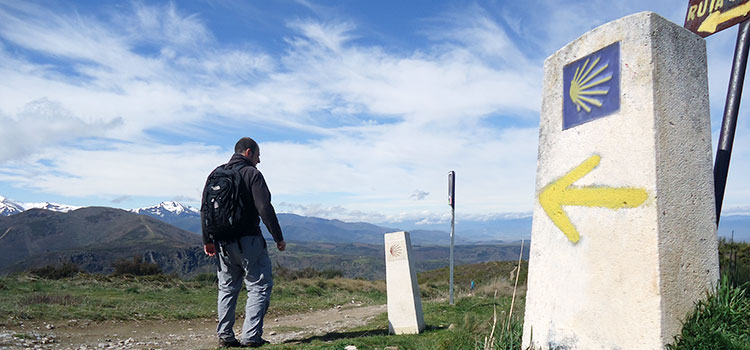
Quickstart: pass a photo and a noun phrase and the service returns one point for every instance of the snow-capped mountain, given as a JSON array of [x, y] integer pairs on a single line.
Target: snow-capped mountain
[[64, 208], [9, 207], [174, 213], [168, 209]]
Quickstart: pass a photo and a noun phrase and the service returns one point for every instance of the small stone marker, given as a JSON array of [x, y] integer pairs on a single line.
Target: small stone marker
[[404, 302], [624, 231]]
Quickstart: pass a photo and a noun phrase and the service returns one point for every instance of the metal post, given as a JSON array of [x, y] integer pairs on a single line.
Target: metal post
[[453, 220], [731, 110], [452, 202]]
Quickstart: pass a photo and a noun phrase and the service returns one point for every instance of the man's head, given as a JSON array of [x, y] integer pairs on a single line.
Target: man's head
[[248, 148]]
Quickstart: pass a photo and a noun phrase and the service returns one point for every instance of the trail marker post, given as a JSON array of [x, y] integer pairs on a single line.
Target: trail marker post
[[705, 18], [623, 238], [452, 203], [404, 302]]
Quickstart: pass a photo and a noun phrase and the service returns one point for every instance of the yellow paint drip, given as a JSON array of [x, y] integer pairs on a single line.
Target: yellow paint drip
[[560, 192]]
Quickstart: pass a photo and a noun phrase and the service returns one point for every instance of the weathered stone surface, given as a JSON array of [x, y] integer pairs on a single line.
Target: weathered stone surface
[[637, 267], [404, 302]]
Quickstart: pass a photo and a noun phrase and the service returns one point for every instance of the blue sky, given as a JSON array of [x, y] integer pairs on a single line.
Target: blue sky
[[360, 107]]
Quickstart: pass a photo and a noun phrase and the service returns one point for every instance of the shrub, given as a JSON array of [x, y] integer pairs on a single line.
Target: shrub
[[65, 270], [288, 274], [135, 266], [50, 299], [207, 278], [313, 291], [734, 261]]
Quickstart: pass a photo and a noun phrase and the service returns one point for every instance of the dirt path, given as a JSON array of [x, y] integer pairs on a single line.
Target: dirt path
[[187, 334]]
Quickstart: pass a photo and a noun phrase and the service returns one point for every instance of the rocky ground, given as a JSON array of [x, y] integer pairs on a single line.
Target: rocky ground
[[186, 334]]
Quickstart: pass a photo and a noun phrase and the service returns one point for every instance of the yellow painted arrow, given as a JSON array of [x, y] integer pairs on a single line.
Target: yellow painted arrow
[[560, 192], [717, 17]]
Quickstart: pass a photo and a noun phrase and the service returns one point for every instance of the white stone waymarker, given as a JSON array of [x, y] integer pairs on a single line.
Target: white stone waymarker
[[404, 302], [624, 232]]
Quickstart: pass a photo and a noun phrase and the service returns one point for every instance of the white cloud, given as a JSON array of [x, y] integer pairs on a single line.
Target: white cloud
[[41, 124], [380, 123], [117, 170], [419, 195], [391, 122]]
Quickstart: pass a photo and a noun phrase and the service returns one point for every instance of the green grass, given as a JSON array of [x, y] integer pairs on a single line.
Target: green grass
[[472, 317], [99, 297], [722, 321]]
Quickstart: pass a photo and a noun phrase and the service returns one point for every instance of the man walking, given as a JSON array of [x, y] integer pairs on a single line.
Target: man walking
[[245, 256]]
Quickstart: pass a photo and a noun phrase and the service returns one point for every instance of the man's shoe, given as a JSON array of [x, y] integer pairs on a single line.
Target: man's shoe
[[230, 343], [258, 344]]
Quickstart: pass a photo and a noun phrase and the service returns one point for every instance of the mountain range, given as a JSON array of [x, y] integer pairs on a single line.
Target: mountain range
[[37, 234], [301, 228], [311, 229], [8, 207], [95, 237]]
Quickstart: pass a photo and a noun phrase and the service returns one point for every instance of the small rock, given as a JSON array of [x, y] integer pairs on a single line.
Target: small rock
[[350, 347], [50, 326], [338, 306], [272, 333], [451, 327], [276, 320]]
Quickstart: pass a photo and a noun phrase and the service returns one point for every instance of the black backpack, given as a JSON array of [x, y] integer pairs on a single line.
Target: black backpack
[[222, 205]]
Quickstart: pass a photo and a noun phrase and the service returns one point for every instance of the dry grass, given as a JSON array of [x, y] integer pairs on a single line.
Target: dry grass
[[50, 299]]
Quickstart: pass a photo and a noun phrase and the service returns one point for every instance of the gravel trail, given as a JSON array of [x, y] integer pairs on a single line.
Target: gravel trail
[[185, 334]]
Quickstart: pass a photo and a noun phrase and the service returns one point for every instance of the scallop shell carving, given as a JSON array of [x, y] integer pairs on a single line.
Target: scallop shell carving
[[582, 90]]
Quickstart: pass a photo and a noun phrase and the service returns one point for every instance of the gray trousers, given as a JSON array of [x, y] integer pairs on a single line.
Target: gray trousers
[[252, 265]]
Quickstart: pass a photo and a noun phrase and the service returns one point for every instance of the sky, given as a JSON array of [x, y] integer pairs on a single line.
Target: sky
[[361, 108]]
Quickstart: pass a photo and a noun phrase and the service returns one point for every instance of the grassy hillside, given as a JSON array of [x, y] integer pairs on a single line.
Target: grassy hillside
[[358, 260], [721, 322], [82, 296]]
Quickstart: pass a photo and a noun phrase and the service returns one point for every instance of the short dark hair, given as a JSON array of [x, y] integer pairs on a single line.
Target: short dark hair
[[245, 143]]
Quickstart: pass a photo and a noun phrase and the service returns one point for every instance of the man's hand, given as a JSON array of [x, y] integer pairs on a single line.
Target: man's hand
[[281, 245], [209, 249]]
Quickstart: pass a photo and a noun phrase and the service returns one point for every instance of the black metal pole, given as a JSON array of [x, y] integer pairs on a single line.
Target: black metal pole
[[731, 109]]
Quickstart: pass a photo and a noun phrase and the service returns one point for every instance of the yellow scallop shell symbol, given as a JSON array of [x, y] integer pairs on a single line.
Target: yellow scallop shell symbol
[[580, 88]]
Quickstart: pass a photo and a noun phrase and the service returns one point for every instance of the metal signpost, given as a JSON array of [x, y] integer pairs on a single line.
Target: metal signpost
[[452, 203], [706, 17]]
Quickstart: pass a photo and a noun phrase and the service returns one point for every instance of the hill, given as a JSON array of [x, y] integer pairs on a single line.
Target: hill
[[358, 260], [93, 238]]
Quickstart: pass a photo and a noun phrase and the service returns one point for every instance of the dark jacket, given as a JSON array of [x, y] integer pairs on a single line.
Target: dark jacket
[[257, 200]]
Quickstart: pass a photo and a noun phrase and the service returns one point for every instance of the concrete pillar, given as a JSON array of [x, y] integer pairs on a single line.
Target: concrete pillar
[[623, 236], [404, 302]]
